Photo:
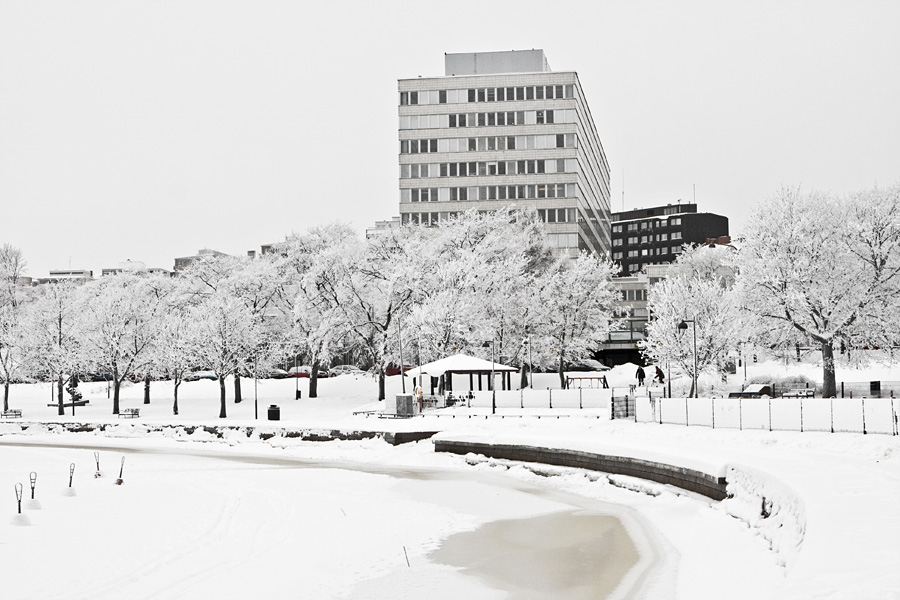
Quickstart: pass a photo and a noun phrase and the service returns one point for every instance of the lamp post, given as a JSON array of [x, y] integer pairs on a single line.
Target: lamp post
[[526, 344], [681, 327], [400, 340], [493, 386]]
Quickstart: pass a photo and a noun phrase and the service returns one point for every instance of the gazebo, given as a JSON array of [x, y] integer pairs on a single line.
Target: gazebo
[[461, 364]]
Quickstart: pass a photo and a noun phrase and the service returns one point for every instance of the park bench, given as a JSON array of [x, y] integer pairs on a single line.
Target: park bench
[[13, 413], [799, 393], [130, 413]]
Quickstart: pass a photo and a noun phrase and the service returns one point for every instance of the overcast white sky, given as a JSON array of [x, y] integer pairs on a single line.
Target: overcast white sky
[[147, 130]]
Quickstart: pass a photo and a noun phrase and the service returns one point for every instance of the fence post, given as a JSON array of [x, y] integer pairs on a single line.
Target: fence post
[[842, 389], [801, 414], [770, 414], [550, 398], [580, 403], [713, 400], [686, 419], [740, 414], [864, 414], [831, 400]]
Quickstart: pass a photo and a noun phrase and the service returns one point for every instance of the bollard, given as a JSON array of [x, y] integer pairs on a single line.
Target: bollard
[[97, 460], [120, 481], [33, 478], [19, 496], [71, 473]]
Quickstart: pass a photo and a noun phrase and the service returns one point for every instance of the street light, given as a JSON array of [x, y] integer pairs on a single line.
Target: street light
[[493, 386], [681, 327], [527, 343]]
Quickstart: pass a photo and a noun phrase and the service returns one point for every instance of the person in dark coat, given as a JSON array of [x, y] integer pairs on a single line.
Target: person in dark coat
[[640, 375], [659, 375]]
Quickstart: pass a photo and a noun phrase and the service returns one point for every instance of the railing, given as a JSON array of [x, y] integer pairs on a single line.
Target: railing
[[579, 398], [856, 415]]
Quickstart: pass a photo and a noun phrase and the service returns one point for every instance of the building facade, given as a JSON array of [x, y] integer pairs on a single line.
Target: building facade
[[501, 128], [649, 236]]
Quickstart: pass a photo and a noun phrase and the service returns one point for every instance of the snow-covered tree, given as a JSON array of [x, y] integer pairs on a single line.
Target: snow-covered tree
[[124, 312], [577, 308], [699, 287], [12, 264], [824, 268], [225, 331], [52, 344], [257, 284], [474, 277]]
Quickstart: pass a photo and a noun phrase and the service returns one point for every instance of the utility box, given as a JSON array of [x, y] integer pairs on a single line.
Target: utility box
[[875, 389], [405, 405]]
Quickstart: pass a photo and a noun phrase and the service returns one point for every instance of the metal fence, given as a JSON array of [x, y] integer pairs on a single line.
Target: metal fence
[[857, 415], [869, 389], [580, 398]]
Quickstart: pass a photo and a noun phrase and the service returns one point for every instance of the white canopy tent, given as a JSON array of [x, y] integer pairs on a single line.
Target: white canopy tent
[[461, 364]]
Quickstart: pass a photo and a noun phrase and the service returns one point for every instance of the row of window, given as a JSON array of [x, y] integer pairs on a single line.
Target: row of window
[[491, 94], [554, 240], [646, 225], [490, 119], [635, 267], [646, 252], [482, 144], [489, 192], [485, 168], [647, 239], [634, 295], [558, 215]]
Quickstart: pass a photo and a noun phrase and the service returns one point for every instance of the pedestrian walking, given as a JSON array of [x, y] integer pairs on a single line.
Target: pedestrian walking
[[640, 375], [659, 375]]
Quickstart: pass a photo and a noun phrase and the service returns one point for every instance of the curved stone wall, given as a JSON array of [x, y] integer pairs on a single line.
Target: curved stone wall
[[689, 479]]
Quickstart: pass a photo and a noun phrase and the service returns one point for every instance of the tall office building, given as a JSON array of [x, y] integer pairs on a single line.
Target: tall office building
[[501, 128]]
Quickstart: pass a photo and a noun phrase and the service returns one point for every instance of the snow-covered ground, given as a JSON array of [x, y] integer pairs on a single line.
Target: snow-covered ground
[[813, 515]]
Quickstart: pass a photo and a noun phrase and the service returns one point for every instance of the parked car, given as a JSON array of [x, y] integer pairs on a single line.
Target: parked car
[[274, 373], [393, 369], [198, 375], [344, 370], [304, 371]]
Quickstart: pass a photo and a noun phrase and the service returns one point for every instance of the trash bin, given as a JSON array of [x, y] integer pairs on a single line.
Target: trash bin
[[274, 412], [299, 394], [405, 405]]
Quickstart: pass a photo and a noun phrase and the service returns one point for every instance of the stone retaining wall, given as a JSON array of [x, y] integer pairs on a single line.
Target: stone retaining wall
[[688, 479]]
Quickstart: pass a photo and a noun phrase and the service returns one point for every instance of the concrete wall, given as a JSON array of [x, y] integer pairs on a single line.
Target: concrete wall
[[688, 479]]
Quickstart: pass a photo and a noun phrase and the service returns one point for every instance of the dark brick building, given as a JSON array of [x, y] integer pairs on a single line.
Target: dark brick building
[[656, 235]]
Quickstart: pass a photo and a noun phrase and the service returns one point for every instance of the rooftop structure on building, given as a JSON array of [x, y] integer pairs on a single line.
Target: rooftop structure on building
[[500, 129], [649, 236], [185, 261], [57, 275], [133, 266], [383, 226]]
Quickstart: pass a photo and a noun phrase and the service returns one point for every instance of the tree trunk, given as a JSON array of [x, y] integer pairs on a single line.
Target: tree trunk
[[314, 380], [117, 383], [562, 374], [59, 396], [829, 384], [237, 388], [222, 413], [175, 404], [6, 395], [381, 395], [147, 389]]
